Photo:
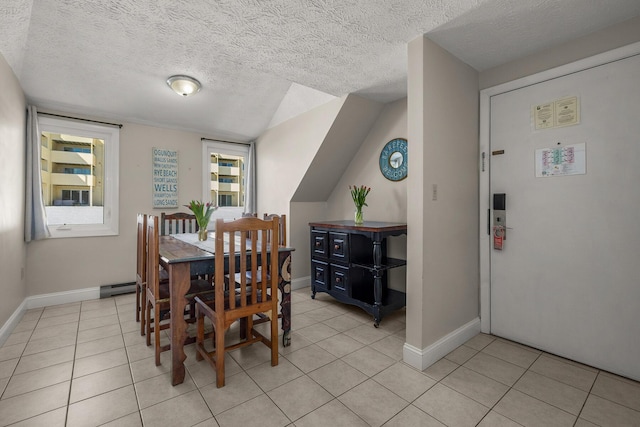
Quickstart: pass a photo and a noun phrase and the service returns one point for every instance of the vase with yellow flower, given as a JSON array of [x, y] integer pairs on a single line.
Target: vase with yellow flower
[[359, 195], [202, 212]]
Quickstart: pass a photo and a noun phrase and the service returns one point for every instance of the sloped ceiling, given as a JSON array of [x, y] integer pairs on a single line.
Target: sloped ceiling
[[350, 127], [111, 58]]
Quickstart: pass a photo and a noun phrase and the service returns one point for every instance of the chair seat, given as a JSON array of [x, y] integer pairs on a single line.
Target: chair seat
[[199, 286], [249, 277]]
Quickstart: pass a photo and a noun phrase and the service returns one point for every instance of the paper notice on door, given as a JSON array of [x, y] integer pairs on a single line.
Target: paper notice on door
[[543, 116], [561, 161], [566, 111], [562, 112]]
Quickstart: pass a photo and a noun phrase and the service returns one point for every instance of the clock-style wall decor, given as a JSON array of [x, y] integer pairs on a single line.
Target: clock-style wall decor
[[394, 159]]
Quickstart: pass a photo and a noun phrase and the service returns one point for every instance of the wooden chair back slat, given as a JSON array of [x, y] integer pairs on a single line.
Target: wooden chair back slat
[[177, 223]]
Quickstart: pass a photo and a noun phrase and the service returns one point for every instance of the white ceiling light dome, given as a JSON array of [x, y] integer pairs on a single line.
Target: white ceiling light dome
[[184, 85]]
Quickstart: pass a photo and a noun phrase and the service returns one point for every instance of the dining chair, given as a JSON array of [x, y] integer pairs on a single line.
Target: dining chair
[[249, 215], [282, 241], [243, 243], [141, 271], [157, 292], [176, 223], [282, 231], [282, 237]]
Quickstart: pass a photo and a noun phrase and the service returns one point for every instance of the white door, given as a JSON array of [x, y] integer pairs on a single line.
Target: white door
[[567, 280]]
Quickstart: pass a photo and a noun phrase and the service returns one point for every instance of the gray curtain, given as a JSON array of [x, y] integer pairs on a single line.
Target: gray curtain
[[251, 204], [35, 221]]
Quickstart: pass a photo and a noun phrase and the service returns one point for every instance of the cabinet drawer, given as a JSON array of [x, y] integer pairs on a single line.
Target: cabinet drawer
[[320, 274], [320, 244], [339, 247], [340, 279]]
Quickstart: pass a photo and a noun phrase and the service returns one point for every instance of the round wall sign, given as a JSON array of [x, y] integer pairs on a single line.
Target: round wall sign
[[394, 159]]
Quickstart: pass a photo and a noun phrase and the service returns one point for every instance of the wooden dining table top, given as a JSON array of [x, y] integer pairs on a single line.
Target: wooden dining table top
[[175, 250], [186, 247]]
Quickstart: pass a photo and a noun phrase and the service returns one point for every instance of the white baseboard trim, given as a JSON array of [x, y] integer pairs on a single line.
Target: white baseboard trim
[[300, 282], [45, 300], [65, 297], [12, 322], [422, 359]]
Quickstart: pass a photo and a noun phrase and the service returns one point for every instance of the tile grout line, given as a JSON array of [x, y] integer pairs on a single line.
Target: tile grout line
[[126, 353]]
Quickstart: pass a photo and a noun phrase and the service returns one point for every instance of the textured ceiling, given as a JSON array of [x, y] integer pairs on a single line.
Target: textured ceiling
[[111, 58]]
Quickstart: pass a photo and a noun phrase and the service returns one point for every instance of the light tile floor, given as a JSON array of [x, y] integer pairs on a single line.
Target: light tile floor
[[86, 364]]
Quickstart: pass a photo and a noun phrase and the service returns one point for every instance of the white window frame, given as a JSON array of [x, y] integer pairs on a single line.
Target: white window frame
[[111, 136], [209, 148]]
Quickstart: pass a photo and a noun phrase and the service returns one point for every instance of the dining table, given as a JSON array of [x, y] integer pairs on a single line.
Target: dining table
[[184, 255]]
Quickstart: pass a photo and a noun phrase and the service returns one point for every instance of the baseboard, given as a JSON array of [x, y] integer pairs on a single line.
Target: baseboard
[[65, 297], [12, 322], [107, 291], [300, 282], [45, 300], [422, 359]]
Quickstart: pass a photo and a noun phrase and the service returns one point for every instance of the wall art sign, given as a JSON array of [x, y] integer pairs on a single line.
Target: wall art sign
[[165, 178]]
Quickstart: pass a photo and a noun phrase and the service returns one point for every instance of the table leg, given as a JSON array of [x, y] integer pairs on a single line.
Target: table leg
[[377, 282], [179, 283], [284, 284]]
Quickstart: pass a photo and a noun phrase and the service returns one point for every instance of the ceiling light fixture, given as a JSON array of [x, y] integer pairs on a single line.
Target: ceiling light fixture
[[184, 85]]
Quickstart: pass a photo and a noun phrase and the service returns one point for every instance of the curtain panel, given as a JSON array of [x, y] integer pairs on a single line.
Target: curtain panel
[[35, 222], [251, 204]]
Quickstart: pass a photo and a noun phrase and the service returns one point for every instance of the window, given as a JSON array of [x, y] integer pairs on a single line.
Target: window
[[224, 177], [79, 177], [225, 200]]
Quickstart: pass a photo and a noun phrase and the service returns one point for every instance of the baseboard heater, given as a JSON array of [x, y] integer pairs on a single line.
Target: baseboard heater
[[107, 291]]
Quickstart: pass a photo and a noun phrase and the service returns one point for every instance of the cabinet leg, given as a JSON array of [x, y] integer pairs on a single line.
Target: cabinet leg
[[377, 315]]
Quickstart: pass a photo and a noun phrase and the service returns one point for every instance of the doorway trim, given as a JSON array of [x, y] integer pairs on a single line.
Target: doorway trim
[[485, 158]]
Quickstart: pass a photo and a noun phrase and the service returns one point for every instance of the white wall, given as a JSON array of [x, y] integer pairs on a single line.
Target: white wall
[[57, 265], [387, 200], [284, 154], [443, 270], [12, 170], [604, 40]]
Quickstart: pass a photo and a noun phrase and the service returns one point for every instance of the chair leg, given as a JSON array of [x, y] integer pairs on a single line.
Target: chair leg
[[243, 329], [138, 302], [199, 333], [274, 339], [156, 331], [219, 355], [148, 324], [143, 309]]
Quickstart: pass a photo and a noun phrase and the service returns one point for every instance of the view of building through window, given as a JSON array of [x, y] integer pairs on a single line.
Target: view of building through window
[[72, 178], [227, 180], [225, 167]]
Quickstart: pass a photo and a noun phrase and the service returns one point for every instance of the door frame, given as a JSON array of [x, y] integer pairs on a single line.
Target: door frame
[[485, 156]]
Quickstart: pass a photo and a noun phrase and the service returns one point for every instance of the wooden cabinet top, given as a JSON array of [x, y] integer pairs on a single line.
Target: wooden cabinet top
[[366, 227]]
